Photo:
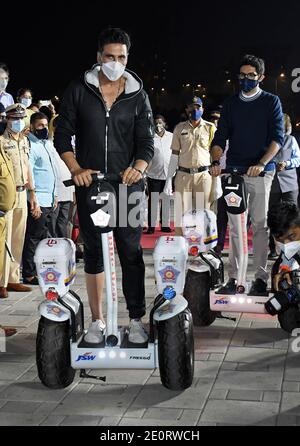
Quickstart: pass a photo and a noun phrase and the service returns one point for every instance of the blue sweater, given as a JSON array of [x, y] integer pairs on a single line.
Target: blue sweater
[[250, 126]]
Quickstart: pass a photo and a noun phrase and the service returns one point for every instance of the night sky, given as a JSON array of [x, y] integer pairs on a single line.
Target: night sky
[[48, 44]]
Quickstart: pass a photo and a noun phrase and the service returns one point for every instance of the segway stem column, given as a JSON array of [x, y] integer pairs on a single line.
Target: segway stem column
[[111, 288]]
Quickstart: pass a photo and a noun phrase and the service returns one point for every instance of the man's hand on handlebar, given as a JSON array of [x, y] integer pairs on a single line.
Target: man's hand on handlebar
[[283, 275], [82, 177], [215, 170], [255, 171], [131, 176], [281, 166]]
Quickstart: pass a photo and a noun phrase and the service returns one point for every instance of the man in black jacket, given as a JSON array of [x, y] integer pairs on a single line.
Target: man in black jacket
[[110, 115]]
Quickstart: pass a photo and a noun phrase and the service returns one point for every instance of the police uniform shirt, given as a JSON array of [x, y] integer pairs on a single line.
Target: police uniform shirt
[[18, 152], [193, 143]]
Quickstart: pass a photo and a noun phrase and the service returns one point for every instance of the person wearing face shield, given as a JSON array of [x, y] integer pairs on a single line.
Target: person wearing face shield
[[156, 175], [191, 159], [110, 115], [284, 224], [16, 147], [5, 98]]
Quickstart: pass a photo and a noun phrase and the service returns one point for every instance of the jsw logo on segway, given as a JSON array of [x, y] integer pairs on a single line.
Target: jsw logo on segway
[[86, 357], [221, 301]]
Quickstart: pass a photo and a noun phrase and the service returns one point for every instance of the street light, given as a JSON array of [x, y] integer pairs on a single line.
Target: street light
[[280, 77]]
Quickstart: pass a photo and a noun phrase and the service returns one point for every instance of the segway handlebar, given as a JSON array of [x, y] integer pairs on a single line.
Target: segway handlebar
[[99, 177], [239, 171]]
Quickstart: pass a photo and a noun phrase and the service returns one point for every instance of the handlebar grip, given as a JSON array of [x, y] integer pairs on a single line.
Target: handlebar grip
[[68, 183], [98, 177], [239, 172]]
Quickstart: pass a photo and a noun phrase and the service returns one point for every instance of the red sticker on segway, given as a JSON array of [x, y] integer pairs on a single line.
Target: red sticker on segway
[[51, 242]]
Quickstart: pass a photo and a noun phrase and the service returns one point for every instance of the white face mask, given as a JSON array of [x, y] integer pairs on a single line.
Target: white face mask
[[113, 70], [289, 249], [3, 84], [17, 125], [26, 102], [159, 128]]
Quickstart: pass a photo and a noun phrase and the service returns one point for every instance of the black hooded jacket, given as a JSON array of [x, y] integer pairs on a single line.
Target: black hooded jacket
[[108, 141]]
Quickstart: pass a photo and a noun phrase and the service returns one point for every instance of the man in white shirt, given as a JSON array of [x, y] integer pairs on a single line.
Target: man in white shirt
[[5, 98], [156, 176], [60, 217]]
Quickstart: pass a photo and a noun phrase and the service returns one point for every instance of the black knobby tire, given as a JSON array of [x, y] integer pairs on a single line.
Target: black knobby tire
[[176, 351], [53, 355], [196, 292], [289, 319]]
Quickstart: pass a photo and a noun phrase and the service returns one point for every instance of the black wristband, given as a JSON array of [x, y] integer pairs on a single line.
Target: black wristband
[[138, 170], [215, 163], [260, 163]]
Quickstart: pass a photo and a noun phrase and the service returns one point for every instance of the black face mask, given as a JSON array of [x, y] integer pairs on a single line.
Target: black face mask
[[42, 133]]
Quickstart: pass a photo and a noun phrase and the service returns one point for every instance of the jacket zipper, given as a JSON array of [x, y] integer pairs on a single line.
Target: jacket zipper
[[107, 118], [106, 138]]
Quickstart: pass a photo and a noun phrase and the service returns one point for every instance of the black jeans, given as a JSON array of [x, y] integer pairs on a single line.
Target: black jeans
[[158, 187], [59, 219], [36, 230], [127, 240]]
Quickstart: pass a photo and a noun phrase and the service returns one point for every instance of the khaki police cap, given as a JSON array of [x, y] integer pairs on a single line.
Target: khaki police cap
[[15, 111]]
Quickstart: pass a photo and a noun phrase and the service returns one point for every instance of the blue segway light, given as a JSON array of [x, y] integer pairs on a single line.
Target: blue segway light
[[169, 293]]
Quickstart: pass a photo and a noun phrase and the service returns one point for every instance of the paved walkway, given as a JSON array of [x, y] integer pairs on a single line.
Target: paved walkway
[[245, 374]]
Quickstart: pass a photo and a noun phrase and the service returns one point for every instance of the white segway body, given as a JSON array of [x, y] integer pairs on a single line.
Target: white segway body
[[56, 271], [61, 345], [239, 303], [200, 232]]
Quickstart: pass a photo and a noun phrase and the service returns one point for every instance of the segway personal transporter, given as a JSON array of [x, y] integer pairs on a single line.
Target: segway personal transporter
[[61, 348], [205, 274]]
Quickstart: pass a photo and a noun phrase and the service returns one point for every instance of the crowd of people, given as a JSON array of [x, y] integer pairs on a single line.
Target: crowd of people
[[98, 130]]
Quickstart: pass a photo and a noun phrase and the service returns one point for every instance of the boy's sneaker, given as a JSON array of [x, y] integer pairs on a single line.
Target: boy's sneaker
[[137, 333], [258, 288], [228, 288], [95, 334]]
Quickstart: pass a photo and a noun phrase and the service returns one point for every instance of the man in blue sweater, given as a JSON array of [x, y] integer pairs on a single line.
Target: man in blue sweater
[[252, 122]]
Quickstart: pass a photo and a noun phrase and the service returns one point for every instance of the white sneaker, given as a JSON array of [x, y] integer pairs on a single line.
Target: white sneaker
[[137, 333], [95, 332]]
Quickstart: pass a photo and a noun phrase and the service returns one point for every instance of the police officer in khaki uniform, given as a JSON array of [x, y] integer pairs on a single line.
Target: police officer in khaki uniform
[[191, 158], [7, 201], [16, 147]]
